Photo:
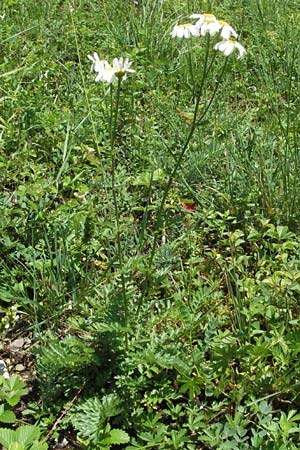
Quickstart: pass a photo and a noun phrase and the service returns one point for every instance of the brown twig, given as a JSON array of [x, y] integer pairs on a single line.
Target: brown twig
[[67, 408]]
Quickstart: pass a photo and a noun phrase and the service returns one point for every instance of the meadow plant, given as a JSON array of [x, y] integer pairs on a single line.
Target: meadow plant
[[206, 26], [108, 73]]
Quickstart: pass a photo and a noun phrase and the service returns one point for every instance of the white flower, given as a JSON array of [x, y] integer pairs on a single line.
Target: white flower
[[227, 47], [227, 30], [209, 26], [185, 30], [202, 17], [121, 67], [106, 72], [207, 23], [97, 63]]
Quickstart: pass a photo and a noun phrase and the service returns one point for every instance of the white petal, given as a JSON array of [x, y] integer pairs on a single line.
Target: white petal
[[180, 32], [213, 28], [116, 64], [223, 45], [99, 77], [203, 29], [229, 49], [227, 31], [241, 50], [194, 31]]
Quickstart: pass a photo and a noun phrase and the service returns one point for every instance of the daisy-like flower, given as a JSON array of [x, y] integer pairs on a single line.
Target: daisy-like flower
[[206, 23], [97, 63], [228, 46], [106, 72], [209, 26], [185, 30], [202, 17], [121, 67], [227, 30]]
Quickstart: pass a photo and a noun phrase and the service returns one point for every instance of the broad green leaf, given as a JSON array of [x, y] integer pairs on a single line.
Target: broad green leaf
[[39, 446], [118, 437], [13, 390], [7, 416], [27, 434], [16, 446], [7, 437]]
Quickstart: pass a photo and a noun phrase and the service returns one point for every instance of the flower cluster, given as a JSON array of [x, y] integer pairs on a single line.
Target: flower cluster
[[209, 24], [109, 73]]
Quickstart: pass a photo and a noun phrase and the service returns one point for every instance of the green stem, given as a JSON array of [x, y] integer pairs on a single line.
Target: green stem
[[114, 114], [199, 93], [190, 64]]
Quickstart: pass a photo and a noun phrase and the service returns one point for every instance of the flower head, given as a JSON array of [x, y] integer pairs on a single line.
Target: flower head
[[227, 30], [106, 72], [121, 67], [185, 30], [228, 46], [97, 63], [202, 17], [210, 26], [208, 23]]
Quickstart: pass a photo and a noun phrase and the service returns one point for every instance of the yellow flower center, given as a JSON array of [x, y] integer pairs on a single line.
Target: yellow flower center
[[185, 25]]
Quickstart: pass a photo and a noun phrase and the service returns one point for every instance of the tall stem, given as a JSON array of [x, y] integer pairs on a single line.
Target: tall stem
[[114, 114], [199, 92]]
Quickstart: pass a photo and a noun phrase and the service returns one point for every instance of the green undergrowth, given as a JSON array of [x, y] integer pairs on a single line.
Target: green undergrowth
[[163, 306]]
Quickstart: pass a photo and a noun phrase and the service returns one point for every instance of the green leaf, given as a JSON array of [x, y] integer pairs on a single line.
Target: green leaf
[[118, 436], [27, 434], [39, 446], [16, 446], [7, 437], [13, 390], [91, 415], [6, 416]]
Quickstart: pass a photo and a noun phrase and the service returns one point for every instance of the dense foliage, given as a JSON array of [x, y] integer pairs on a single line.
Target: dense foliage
[[155, 270]]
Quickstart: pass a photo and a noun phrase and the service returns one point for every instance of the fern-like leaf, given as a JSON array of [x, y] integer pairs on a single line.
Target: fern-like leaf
[[90, 416]]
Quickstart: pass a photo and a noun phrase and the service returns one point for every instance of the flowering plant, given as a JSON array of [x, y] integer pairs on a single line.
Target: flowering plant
[[209, 24], [107, 73]]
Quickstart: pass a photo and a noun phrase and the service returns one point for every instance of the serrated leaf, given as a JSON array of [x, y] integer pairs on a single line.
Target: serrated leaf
[[13, 390], [39, 446], [7, 437], [27, 434], [118, 436], [16, 446], [91, 415], [7, 416]]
